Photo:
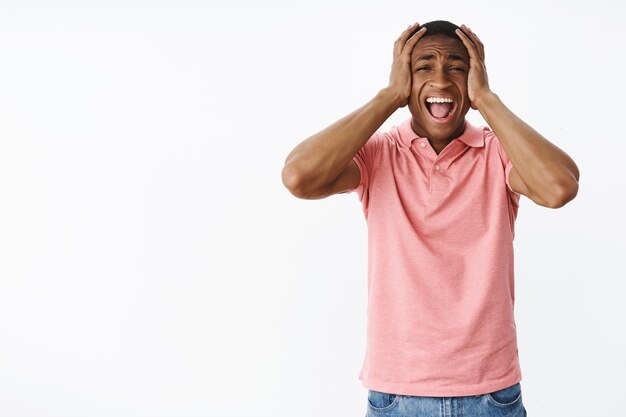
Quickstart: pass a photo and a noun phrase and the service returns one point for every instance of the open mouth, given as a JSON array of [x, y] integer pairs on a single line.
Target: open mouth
[[440, 108]]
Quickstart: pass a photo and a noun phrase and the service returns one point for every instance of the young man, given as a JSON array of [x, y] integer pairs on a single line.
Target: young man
[[440, 197]]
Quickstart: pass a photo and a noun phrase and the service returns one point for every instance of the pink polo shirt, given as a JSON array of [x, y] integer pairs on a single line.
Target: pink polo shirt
[[440, 264]]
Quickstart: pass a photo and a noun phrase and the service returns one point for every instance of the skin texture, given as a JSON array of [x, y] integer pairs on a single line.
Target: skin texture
[[441, 75], [322, 164], [541, 170]]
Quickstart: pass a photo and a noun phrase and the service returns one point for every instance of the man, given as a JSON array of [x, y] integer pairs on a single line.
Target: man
[[440, 197]]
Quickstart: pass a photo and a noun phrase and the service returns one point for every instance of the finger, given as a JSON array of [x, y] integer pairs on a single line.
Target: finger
[[407, 33], [409, 28], [475, 40], [408, 46], [401, 41], [471, 48]]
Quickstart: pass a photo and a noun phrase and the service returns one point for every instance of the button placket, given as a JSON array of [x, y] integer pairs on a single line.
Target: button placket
[[438, 181]]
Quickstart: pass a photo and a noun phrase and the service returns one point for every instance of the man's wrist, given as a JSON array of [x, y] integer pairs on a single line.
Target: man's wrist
[[485, 99], [391, 97]]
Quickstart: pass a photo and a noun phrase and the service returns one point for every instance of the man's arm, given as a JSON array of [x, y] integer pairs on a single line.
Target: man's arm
[[315, 164], [541, 171]]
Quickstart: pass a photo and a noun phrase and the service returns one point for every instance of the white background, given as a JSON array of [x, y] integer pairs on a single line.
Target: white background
[[153, 264]]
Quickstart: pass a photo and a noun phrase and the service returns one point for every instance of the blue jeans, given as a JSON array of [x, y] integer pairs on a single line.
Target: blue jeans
[[506, 402]]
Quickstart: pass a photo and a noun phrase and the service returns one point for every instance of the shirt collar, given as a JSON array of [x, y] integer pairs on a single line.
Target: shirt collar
[[471, 136]]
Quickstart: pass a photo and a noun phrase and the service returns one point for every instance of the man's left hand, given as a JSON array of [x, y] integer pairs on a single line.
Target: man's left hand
[[477, 82]]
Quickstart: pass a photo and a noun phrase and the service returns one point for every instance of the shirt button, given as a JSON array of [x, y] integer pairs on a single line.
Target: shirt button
[[422, 145], [437, 167]]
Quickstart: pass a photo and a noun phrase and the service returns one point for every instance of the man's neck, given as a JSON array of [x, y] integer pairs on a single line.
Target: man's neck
[[439, 145]]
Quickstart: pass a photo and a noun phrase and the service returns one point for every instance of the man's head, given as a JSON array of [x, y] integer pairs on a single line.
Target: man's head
[[439, 66]]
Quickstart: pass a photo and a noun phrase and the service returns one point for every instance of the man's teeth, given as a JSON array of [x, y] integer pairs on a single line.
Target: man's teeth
[[439, 100]]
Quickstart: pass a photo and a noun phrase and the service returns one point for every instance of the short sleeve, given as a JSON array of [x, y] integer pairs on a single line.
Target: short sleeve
[[365, 159], [507, 165]]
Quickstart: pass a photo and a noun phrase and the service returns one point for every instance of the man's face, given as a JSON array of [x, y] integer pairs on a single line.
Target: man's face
[[439, 67]]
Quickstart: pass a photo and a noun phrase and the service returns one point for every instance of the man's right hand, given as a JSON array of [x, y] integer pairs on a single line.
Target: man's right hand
[[400, 78], [323, 164]]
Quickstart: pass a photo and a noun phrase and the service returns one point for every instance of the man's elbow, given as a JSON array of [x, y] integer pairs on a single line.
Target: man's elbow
[[564, 194], [291, 182]]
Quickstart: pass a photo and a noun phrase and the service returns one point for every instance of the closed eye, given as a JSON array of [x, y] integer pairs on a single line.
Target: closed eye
[[453, 68]]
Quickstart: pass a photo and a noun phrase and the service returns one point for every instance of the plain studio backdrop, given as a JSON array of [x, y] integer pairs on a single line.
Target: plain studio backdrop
[[153, 264]]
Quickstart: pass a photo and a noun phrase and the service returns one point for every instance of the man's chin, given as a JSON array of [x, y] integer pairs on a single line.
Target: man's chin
[[439, 131]]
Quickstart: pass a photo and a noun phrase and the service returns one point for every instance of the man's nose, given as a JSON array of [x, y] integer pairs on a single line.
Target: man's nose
[[440, 80]]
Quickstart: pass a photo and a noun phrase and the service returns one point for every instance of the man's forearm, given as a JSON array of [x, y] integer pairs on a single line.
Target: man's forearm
[[318, 160], [542, 166]]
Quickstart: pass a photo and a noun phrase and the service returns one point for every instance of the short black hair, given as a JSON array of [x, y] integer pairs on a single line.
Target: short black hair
[[440, 27]]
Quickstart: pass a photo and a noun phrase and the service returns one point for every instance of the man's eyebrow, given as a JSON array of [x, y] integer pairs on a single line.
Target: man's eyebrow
[[425, 58], [451, 57]]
